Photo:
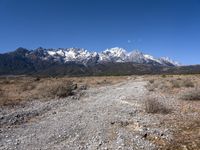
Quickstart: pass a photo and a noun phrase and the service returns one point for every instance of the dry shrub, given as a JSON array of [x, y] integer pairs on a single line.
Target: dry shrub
[[188, 83], [6, 81], [103, 82], [3, 97], [192, 95], [37, 79], [158, 85], [64, 90], [57, 89], [176, 83], [27, 86], [29, 89], [5, 100], [151, 81], [152, 105], [167, 85]]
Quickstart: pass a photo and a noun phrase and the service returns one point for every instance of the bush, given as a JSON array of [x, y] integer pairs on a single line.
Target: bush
[[175, 83], [163, 76], [62, 89], [154, 106], [151, 81], [188, 83], [192, 95]]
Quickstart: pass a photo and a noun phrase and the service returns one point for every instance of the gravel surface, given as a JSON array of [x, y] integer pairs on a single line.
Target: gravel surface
[[109, 117]]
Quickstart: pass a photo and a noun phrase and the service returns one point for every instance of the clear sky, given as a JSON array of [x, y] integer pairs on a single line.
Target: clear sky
[[157, 27]]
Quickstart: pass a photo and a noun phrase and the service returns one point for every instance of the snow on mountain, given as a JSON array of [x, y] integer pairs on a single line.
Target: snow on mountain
[[168, 60], [149, 57], [115, 54], [137, 57]]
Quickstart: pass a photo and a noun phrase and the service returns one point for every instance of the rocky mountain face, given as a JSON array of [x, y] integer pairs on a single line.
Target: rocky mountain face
[[82, 56], [23, 61]]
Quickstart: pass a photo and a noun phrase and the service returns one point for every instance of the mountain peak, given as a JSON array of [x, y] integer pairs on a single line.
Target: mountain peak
[[167, 59]]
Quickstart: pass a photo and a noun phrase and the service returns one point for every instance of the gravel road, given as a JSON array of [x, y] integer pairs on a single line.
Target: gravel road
[[108, 117]]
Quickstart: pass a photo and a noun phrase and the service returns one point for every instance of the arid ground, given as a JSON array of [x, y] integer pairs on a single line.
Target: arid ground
[[122, 112]]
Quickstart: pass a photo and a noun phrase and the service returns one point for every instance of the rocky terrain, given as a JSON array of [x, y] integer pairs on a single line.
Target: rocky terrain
[[107, 115]]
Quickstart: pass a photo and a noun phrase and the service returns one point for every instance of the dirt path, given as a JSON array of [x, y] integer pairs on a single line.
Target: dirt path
[[109, 117]]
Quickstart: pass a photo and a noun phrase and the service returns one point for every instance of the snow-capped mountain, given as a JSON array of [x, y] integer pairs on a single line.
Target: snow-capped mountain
[[83, 56], [78, 61], [113, 55], [168, 60]]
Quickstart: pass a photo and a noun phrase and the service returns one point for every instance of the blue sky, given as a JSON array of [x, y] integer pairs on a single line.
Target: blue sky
[[157, 27]]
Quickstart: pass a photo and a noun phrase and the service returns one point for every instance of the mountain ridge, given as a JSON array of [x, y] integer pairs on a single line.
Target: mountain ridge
[[78, 62], [80, 55]]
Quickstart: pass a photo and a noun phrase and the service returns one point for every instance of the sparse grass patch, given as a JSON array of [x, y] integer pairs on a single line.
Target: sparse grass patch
[[170, 84], [17, 89], [178, 83], [192, 95], [175, 83], [152, 105], [27, 86], [5, 100], [6, 81], [188, 83]]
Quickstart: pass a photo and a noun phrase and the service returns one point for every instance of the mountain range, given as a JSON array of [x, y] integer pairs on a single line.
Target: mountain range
[[79, 61], [82, 56]]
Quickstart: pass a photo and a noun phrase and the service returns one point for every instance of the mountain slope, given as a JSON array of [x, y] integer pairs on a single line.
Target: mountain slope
[[78, 61]]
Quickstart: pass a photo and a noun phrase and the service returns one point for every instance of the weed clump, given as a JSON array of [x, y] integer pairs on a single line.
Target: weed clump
[[152, 105]]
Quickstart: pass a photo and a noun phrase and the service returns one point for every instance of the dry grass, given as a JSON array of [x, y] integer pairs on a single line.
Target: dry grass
[[152, 105], [192, 95], [169, 84], [188, 83], [178, 83], [14, 90], [184, 121], [56, 89], [23, 89], [186, 136]]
